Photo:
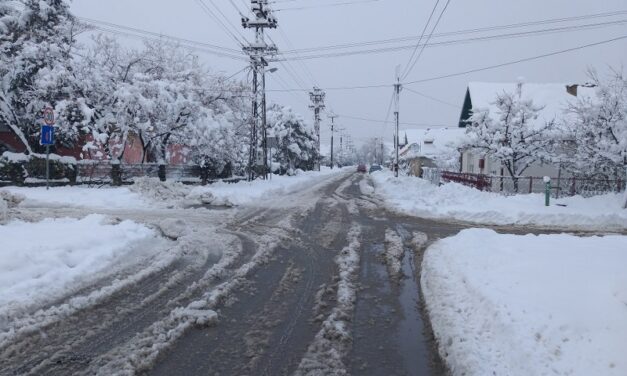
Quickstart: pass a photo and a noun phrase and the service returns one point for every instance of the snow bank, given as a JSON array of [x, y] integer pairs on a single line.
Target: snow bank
[[39, 261], [245, 193], [112, 198], [162, 193], [528, 305], [415, 196], [8, 201]]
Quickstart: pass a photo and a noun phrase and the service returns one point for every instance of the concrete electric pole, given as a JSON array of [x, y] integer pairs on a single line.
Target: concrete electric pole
[[397, 100], [258, 51], [317, 104], [332, 116]]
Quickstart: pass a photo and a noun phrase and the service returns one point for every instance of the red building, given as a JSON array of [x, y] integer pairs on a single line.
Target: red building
[[133, 150]]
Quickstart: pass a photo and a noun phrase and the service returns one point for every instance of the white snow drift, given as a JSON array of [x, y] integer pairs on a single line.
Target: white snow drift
[[415, 196], [43, 260], [246, 193], [528, 305]]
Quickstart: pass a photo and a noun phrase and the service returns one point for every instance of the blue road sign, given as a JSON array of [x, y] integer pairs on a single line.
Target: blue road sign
[[47, 135]]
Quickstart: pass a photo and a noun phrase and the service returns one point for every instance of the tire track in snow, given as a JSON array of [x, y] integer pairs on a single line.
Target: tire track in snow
[[332, 343]]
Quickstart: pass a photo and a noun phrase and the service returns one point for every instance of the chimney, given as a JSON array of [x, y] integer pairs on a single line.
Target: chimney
[[572, 89]]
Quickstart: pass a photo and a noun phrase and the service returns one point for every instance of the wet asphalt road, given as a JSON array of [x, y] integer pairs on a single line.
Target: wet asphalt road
[[272, 316]]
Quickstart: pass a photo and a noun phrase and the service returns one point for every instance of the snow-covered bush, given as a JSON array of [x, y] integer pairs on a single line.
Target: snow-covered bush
[[18, 168]]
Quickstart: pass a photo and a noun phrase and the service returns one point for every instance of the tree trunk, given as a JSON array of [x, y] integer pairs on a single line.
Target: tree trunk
[[162, 176]]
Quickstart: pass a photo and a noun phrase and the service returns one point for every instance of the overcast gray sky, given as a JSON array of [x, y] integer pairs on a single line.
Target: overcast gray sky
[[318, 25]]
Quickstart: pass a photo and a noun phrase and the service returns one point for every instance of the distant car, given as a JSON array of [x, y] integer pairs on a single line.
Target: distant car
[[375, 168], [361, 168]]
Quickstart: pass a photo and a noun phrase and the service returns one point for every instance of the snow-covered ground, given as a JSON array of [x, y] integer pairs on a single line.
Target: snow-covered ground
[[79, 196], [528, 305], [43, 260], [415, 196], [153, 194], [245, 193]]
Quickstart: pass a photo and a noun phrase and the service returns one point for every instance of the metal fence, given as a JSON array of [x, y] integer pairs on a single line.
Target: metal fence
[[96, 173], [507, 185], [100, 172]]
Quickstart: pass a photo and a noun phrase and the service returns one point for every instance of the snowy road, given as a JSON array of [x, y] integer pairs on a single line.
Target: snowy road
[[319, 281]]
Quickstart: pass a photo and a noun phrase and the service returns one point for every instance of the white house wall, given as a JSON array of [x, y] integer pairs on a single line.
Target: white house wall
[[470, 164]]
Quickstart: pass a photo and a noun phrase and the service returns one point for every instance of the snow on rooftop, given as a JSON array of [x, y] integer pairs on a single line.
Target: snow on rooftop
[[434, 143], [553, 97]]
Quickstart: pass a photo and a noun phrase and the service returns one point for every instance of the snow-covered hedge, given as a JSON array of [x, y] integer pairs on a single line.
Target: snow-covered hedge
[[20, 169]]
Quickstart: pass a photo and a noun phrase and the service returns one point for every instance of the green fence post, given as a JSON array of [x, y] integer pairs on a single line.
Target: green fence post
[[547, 191]]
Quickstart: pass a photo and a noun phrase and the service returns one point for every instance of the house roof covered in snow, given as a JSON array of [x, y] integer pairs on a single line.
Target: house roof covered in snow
[[439, 144], [554, 98]]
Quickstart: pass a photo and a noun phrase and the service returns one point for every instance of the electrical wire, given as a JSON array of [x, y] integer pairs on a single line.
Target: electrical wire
[[425, 125], [458, 32], [225, 28], [516, 61], [227, 20], [437, 22], [326, 5], [97, 23], [422, 34], [432, 98], [462, 41], [155, 39], [559, 52]]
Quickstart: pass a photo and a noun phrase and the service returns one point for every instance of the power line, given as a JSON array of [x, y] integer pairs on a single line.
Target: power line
[[227, 20], [432, 98], [461, 41], [374, 86], [384, 121], [437, 22], [225, 28], [517, 61], [422, 34], [97, 24], [458, 32], [155, 39], [327, 5]]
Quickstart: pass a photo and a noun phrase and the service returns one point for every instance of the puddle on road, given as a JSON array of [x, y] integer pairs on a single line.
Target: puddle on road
[[410, 332], [388, 327]]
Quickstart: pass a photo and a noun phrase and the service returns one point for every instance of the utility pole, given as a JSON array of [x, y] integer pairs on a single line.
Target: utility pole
[[397, 100], [332, 116], [382, 156], [258, 51], [317, 104]]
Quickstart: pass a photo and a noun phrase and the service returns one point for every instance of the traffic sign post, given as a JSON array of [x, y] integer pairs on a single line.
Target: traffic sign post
[[47, 139]]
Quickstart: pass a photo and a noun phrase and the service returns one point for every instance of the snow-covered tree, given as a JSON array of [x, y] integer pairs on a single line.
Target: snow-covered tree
[[36, 39], [297, 144], [599, 130], [512, 135], [370, 152], [116, 105]]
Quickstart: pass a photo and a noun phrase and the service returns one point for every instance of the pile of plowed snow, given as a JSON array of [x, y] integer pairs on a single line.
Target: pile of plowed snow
[[174, 194], [8, 201], [43, 260]]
